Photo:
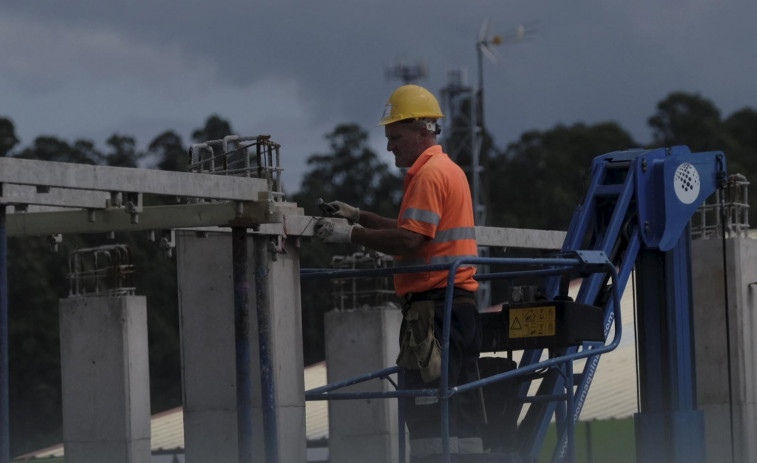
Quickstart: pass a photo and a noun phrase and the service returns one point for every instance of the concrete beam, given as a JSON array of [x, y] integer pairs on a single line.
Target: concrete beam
[[270, 218], [63, 197], [520, 238], [127, 179], [160, 218]]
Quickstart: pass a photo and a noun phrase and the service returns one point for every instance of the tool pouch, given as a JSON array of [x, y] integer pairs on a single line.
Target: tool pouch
[[419, 348]]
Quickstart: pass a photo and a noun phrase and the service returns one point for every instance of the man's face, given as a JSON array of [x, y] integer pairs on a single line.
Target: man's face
[[405, 142]]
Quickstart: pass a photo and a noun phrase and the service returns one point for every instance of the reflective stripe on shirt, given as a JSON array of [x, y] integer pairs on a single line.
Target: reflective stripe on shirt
[[421, 215], [459, 233]]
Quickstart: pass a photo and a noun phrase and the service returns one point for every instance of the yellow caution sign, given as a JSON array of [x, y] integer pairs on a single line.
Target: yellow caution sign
[[531, 322]]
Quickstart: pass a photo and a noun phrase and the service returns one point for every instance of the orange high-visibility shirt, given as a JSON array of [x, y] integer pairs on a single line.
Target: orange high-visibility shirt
[[437, 204]]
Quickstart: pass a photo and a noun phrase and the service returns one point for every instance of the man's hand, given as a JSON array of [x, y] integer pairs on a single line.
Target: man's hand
[[333, 231], [340, 209]]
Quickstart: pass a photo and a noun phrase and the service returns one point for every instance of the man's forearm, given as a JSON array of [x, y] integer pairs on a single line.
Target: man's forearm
[[394, 241], [375, 221]]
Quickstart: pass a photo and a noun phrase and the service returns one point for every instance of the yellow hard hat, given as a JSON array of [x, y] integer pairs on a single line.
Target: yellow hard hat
[[410, 102]]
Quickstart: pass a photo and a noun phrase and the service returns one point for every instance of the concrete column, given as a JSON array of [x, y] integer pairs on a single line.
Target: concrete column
[[358, 342], [208, 356], [711, 348], [105, 379]]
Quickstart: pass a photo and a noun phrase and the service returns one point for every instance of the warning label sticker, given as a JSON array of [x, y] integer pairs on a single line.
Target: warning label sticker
[[532, 321]]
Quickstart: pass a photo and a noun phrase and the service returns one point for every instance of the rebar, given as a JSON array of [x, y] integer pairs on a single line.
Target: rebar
[[101, 271], [240, 156], [354, 293], [709, 222]]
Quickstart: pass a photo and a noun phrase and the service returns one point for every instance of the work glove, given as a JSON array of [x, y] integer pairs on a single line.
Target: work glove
[[333, 231], [340, 209]]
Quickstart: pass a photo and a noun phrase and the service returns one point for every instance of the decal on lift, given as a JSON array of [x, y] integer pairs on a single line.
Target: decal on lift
[[686, 183], [532, 322]]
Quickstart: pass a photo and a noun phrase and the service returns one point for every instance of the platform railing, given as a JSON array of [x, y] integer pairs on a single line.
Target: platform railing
[[587, 262]]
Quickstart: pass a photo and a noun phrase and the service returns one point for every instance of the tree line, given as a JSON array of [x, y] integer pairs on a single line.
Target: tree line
[[535, 181]]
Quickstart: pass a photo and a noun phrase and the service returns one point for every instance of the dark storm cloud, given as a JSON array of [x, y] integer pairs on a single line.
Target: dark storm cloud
[[302, 67]]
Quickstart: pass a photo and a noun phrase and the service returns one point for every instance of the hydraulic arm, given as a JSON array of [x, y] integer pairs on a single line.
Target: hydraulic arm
[[636, 210]]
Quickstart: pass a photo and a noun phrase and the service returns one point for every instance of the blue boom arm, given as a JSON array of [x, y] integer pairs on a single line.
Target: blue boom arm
[[637, 210]]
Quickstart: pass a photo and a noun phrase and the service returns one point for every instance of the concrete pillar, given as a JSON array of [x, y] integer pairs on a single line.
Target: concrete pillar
[[711, 348], [357, 342], [208, 352], [105, 379]]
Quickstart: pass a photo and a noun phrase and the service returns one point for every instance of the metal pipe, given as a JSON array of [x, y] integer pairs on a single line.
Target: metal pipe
[[570, 430], [401, 413], [242, 342], [268, 392], [557, 262], [358, 379], [374, 395], [444, 380], [4, 370]]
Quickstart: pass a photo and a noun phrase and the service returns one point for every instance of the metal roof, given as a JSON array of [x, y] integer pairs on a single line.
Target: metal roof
[[613, 393]]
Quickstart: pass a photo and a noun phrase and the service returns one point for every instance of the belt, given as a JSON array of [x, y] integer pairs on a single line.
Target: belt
[[438, 294]]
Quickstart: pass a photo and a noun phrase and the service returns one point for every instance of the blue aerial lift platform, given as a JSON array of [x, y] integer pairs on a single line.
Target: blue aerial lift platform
[[635, 215], [636, 211]]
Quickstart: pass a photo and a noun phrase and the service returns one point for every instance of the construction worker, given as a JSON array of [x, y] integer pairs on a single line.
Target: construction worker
[[435, 226]]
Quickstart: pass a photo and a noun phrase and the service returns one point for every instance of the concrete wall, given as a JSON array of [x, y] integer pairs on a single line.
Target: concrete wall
[[359, 342], [105, 379], [711, 347], [208, 350]]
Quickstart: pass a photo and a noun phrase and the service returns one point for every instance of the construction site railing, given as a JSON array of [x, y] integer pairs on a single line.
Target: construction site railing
[[587, 262]]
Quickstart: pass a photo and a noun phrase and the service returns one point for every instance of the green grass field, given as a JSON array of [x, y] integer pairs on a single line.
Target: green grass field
[[598, 441]]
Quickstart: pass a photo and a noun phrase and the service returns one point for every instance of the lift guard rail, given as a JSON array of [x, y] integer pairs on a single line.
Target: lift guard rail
[[585, 262]]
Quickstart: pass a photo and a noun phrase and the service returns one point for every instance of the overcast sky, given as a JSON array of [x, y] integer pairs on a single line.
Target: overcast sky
[[295, 69]]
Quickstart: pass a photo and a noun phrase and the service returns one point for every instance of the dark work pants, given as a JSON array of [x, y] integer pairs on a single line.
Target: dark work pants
[[423, 414]]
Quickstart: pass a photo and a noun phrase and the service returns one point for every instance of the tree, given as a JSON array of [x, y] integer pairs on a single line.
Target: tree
[[215, 129], [47, 148], [170, 151], [352, 173], [541, 176], [36, 280], [123, 151], [349, 172], [687, 119], [740, 128], [741, 152], [8, 137]]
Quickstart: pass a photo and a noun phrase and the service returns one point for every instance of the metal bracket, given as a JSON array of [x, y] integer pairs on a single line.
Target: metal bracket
[[116, 199], [167, 241], [134, 206], [54, 241]]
